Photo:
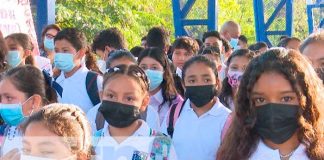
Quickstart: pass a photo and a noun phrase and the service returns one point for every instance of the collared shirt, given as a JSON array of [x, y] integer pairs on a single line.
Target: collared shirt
[[152, 118], [138, 145], [162, 111], [265, 152], [12, 140], [155, 101], [74, 89], [199, 137]]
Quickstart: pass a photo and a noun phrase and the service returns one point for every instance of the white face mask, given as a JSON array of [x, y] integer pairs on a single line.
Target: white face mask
[[102, 65]]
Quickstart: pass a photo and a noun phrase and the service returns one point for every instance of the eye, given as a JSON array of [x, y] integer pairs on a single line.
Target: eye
[[25, 150], [258, 101], [286, 99], [46, 153], [9, 99], [110, 96], [234, 68], [207, 80], [129, 99], [144, 67], [154, 68], [191, 81]]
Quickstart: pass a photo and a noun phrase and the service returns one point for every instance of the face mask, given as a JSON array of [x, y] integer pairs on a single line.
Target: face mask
[[12, 114], [29, 157], [234, 78], [119, 115], [13, 58], [64, 61], [200, 95], [155, 77], [320, 73], [102, 65], [49, 43], [234, 43], [277, 122]]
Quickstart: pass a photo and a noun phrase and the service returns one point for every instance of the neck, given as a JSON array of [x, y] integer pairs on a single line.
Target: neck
[[50, 55], [120, 134], [201, 110], [152, 93], [75, 69], [285, 148]]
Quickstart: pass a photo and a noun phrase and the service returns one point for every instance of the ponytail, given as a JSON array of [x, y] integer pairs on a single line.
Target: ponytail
[[91, 61]]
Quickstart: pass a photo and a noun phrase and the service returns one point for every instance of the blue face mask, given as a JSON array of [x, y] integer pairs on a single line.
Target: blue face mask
[[12, 114], [49, 43], [155, 77], [64, 61], [13, 58], [234, 43]]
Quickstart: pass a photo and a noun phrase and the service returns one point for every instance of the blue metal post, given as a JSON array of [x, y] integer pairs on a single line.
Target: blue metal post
[[180, 16], [310, 16], [45, 15], [262, 26]]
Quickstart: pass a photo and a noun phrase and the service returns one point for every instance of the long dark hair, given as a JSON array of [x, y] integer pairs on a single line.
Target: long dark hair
[[242, 139], [169, 92], [226, 92]]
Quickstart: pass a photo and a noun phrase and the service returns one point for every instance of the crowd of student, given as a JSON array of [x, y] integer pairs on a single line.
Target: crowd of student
[[215, 98]]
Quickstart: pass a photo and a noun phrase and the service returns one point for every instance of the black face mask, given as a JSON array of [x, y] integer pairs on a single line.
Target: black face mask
[[200, 95], [119, 115], [277, 122], [320, 73]]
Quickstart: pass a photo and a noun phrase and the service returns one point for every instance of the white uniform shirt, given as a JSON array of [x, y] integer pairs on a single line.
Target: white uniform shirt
[[155, 102], [74, 89], [152, 118], [12, 140], [44, 64], [264, 152], [140, 144], [198, 137]]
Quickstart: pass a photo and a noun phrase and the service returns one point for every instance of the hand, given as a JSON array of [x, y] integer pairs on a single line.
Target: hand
[[12, 155]]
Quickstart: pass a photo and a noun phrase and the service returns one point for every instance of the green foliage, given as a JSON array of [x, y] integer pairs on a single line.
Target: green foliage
[[135, 17]]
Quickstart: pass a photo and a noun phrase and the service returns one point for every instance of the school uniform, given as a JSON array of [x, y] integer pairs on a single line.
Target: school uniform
[[198, 137], [138, 146], [12, 140], [162, 111], [265, 152], [152, 118], [44, 64], [74, 89]]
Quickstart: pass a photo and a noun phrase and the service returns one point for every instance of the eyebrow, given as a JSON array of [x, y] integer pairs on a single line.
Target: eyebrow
[[109, 90], [192, 76], [282, 92], [206, 75], [46, 143], [321, 59]]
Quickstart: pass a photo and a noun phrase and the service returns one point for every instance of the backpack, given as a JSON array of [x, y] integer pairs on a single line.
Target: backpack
[[91, 86], [175, 112], [161, 145]]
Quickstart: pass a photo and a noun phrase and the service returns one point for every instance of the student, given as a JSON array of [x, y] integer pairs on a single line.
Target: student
[[290, 43], [212, 38], [279, 112], [136, 51], [22, 92], [96, 120], [243, 42], [198, 129], [236, 65], [313, 49], [57, 131], [158, 37], [76, 84], [20, 52], [163, 93], [213, 54], [47, 45], [183, 49], [259, 48], [125, 136], [3, 53], [107, 41]]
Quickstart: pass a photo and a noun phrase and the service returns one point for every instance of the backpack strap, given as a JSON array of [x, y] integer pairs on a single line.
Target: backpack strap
[[92, 87], [100, 121], [227, 124], [96, 138], [174, 114], [56, 86]]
